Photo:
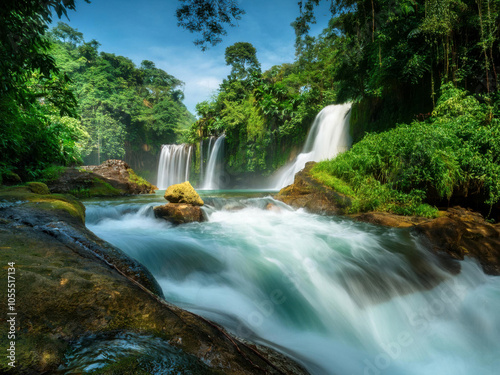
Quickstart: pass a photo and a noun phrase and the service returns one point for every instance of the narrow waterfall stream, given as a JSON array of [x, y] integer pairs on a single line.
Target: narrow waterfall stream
[[212, 175], [328, 136], [341, 297]]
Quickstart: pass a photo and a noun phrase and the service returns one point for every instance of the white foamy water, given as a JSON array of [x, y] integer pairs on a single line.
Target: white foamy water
[[340, 297]]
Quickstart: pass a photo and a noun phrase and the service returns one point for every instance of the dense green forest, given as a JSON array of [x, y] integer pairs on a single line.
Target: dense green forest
[[426, 69], [422, 77], [127, 112], [62, 102]]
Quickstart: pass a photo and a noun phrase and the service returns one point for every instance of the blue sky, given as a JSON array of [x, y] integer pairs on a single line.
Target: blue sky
[[147, 30]]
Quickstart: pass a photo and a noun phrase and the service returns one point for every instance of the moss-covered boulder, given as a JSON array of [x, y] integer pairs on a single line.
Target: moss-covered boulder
[[183, 193], [111, 178], [9, 178], [308, 193], [119, 175]]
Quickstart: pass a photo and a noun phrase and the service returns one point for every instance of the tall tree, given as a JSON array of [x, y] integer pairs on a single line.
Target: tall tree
[[242, 57]]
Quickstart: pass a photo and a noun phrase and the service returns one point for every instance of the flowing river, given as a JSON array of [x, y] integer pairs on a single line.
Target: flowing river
[[338, 296]]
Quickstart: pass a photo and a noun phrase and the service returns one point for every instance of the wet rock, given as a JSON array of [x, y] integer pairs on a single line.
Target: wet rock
[[179, 213], [306, 192], [389, 220], [462, 233], [183, 193], [272, 207]]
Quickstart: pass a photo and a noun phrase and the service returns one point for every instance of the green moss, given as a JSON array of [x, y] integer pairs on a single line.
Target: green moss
[[60, 202], [102, 188], [331, 181], [133, 177], [24, 195], [81, 192], [38, 188]]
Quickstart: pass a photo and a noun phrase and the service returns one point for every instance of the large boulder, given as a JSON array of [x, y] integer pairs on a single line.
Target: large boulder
[[119, 175], [179, 213], [111, 178], [183, 193]]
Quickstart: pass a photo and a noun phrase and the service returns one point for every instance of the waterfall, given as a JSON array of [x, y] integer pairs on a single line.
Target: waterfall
[[174, 165], [215, 166], [328, 136]]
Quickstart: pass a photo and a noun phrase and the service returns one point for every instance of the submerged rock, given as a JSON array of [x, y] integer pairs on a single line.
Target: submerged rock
[[111, 178], [179, 213], [183, 193], [71, 285]]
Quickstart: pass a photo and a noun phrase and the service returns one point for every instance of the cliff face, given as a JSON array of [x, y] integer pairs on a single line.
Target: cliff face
[[458, 232], [70, 285]]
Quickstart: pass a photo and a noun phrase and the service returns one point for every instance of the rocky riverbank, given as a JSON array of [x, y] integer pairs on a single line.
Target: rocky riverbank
[[69, 285], [458, 232]]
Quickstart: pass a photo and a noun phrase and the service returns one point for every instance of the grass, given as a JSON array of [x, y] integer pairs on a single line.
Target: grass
[[371, 195]]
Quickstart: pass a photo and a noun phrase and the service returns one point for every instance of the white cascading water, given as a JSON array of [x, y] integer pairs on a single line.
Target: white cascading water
[[212, 174], [329, 135], [341, 297], [174, 165]]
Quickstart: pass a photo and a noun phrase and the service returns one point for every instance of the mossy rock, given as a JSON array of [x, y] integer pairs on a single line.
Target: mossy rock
[[10, 178], [70, 207], [38, 188], [179, 213], [183, 193]]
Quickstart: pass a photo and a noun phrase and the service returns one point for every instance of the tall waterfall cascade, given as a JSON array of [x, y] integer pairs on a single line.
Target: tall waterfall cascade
[[174, 165], [329, 135], [212, 174]]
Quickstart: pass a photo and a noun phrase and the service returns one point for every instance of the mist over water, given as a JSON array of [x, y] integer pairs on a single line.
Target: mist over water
[[339, 296]]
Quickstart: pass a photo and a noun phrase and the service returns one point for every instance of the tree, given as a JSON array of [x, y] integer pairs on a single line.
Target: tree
[[242, 57], [23, 48], [67, 34], [209, 18]]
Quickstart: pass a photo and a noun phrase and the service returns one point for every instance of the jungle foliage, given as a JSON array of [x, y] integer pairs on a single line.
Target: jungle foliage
[[44, 124], [430, 66], [446, 52], [124, 109], [37, 107]]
